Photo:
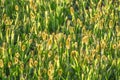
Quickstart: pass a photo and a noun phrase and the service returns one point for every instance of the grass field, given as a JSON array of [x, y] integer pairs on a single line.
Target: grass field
[[59, 39]]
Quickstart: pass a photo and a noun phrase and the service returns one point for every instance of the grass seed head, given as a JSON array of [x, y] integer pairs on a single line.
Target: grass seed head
[[114, 46], [1, 63], [71, 10], [85, 39], [74, 53], [60, 72], [9, 64], [16, 60], [31, 62], [35, 63], [49, 54], [17, 55], [117, 29], [44, 36], [111, 24], [32, 15], [103, 44], [79, 22], [68, 43], [16, 7], [23, 47], [21, 66], [104, 58], [49, 44]]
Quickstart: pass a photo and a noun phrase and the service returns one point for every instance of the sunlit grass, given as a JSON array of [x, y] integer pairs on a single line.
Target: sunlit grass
[[59, 40]]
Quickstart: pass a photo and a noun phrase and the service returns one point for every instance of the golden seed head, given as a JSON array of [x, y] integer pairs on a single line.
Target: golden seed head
[[44, 70], [100, 23], [4, 17], [1, 63], [30, 62], [16, 7], [20, 43], [49, 54], [71, 10], [117, 28], [17, 55], [22, 78], [61, 44], [74, 53], [35, 8], [8, 21], [60, 72], [118, 34], [49, 44], [114, 46], [43, 58], [30, 41], [99, 4], [56, 58], [32, 53], [1, 50], [103, 44], [92, 20], [23, 47], [51, 66], [44, 36], [9, 64], [68, 43], [79, 22], [104, 57], [85, 39], [75, 44], [118, 46], [110, 23], [98, 57], [97, 47], [114, 62], [83, 76], [68, 23], [22, 66], [31, 3], [16, 60], [4, 45], [35, 63], [93, 52], [49, 72], [32, 15], [71, 29]]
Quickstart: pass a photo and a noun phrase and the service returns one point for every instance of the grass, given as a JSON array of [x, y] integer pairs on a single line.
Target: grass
[[59, 40]]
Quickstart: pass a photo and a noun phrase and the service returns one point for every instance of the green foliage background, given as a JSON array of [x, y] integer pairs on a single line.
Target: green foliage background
[[59, 39]]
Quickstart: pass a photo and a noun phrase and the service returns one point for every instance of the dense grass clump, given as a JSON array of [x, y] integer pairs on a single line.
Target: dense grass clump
[[59, 39]]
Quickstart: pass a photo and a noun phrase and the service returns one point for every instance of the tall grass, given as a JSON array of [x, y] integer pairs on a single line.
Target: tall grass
[[59, 40]]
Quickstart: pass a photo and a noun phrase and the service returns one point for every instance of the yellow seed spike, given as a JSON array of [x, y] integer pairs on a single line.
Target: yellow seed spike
[[31, 62], [71, 10], [16, 7], [99, 3], [49, 44], [1, 63], [23, 47], [85, 39], [35, 63], [16, 60], [68, 43], [12, 36], [110, 23], [60, 72]]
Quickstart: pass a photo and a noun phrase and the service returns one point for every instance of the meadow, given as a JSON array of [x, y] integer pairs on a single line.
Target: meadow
[[59, 39]]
